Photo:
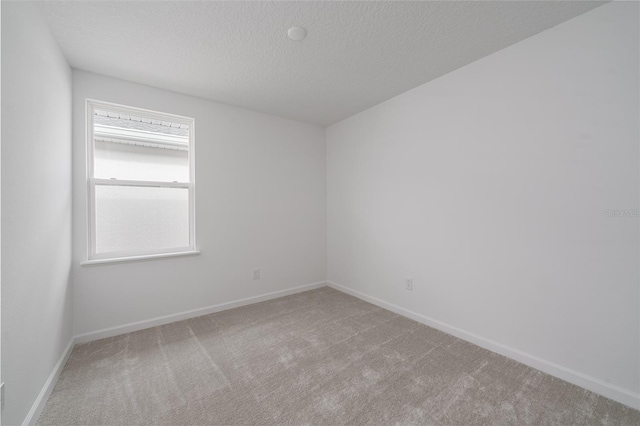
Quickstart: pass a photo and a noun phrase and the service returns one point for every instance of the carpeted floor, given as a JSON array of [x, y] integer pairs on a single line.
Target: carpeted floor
[[318, 357]]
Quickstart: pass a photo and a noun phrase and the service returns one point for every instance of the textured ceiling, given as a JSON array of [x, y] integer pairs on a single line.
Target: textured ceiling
[[356, 54]]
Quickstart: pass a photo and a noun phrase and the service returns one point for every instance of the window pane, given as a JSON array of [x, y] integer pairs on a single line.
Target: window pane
[[141, 218], [134, 148], [131, 162]]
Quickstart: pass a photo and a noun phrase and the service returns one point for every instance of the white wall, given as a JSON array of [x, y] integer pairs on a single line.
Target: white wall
[[489, 186], [260, 203], [36, 206]]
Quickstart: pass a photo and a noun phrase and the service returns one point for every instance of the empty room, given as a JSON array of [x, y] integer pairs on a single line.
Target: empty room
[[320, 212]]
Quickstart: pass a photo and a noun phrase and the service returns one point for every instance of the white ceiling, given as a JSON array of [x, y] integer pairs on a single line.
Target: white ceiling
[[356, 54]]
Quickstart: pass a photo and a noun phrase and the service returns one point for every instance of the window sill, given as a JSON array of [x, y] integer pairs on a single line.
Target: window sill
[[137, 258]]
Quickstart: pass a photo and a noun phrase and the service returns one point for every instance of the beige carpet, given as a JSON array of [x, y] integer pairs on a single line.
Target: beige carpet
[[319, 357]]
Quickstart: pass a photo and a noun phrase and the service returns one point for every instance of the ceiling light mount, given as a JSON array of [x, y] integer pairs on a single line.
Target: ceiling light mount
[[297, 33]]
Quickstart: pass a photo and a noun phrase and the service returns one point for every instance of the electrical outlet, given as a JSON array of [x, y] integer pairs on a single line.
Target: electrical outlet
[[256, 274], [2, 396], [408, 284]]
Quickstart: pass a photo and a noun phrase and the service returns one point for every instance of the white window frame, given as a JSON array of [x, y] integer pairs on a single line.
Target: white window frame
[[92, 182]]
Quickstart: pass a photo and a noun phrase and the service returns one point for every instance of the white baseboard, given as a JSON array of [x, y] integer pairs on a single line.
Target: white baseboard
[[593, 384], [153, 322], [44, 394]]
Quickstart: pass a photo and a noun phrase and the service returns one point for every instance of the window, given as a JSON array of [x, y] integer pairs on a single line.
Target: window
[[140, 183]]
